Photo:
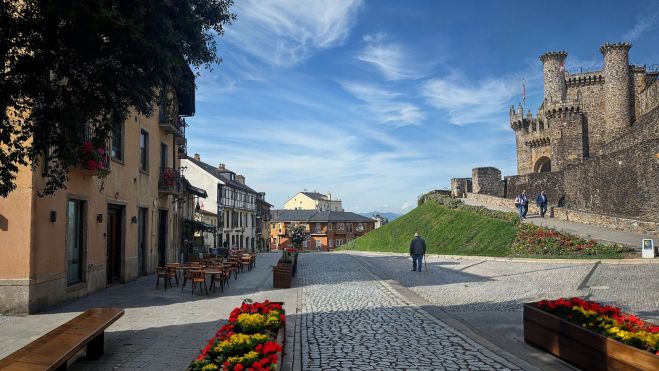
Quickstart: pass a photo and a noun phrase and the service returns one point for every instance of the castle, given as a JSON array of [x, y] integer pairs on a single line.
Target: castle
[[593, 143]]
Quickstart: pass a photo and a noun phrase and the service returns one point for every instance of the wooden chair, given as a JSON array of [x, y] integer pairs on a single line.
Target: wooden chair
[[172, 272], [162, 272], [219, 277], [187, 275], [198, 277]]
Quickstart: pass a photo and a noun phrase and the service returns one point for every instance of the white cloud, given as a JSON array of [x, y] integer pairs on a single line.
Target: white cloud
[[287, 32], [467, 102], [645, 22], [385, 105], [392, 59], [405, 207]]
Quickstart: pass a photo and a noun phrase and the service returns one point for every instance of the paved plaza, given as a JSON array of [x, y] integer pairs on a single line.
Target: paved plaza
[[358, 311]]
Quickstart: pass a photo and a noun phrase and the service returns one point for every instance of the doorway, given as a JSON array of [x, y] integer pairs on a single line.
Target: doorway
[[162, 237], [141, 240], [115, 243]]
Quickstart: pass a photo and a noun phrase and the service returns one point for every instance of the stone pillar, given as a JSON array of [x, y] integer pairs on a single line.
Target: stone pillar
[[487, 180], [617, 89], [554, 74]]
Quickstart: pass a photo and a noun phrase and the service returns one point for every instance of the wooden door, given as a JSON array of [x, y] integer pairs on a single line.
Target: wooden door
[[114, 240]]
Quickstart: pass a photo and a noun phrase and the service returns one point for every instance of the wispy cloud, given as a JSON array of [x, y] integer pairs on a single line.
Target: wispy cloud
[[645, 23], [287, 32], [392, 59], [386, 105], [467, 102]]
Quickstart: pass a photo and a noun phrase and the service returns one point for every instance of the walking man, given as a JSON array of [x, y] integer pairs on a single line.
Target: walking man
[[417, 251], [525, 202], [542, 201], [519, 204]]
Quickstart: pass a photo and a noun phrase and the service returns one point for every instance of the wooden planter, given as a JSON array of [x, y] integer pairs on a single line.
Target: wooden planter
[[581, 347], [281, 276]]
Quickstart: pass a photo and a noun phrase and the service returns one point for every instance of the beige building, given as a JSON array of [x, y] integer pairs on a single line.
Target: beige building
[[87, 237], [313, 201]]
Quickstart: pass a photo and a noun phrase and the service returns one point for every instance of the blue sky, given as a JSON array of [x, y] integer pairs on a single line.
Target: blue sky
[[380, 101]]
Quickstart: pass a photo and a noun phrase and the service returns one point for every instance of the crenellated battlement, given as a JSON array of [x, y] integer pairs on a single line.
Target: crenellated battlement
[[606, 47], [561, 54], [584, 79], [561, 109]]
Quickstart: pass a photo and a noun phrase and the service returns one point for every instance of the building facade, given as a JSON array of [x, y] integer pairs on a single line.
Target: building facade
[[313, 201], [262, 223], [234, 203], [96, 233], [327, 229]]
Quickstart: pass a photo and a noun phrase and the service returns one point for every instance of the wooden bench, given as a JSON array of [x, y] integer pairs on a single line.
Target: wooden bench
[[53, 350]]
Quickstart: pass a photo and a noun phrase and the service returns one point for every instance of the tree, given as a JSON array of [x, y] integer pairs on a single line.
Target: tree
[[298, 234], [72, 68]]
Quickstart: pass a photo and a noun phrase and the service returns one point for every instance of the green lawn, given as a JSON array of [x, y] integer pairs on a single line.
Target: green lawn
[[446, 231]]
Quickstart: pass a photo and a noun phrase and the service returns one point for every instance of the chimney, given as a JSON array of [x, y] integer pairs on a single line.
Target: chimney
[[240, 179], [329, 196], [197, 157], [221, 166]]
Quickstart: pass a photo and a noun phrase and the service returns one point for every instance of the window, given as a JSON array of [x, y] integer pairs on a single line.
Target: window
[[118, 140], [331, 243], [144, 150], [163, 155], [341, 226], [329, 226], [349, 225], [75, 241], [304, 244], [318, 244]]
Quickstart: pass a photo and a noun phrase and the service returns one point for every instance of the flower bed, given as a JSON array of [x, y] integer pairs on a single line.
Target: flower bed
[[251, 340], [591, 335], [534, 240], [606, 320]]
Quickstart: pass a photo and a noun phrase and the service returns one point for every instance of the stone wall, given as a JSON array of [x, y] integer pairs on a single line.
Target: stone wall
[[460, 186], [648, 99], [551, 183], [617, 94], [606, 221], [487, 180]]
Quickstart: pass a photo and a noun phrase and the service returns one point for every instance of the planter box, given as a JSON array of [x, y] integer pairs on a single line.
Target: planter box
[[581, 347], [281, 276]]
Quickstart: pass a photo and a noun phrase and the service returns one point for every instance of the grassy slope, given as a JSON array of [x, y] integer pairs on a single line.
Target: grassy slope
[[446, 231]]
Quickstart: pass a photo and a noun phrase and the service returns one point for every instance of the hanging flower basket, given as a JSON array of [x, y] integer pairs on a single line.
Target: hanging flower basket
[[94, 160]]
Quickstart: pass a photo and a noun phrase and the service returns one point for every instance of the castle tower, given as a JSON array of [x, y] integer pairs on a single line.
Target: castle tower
[[554, 74], [617, 94]]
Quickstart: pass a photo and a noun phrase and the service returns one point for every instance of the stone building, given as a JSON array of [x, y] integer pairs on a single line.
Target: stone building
[[582, 113], [593, 144]]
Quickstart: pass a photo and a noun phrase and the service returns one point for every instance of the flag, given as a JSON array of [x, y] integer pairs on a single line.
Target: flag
[[523, 89]]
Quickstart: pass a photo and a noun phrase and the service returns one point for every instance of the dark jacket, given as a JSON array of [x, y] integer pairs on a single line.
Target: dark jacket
[[417, 246], [539, 200]]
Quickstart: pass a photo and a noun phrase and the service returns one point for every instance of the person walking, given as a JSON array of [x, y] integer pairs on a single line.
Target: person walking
[[519, 204], [525, 202], [417, 251], [542, 201]]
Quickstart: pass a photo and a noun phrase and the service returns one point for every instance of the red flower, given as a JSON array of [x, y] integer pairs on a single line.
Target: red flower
[[87, 146], [238, 367]]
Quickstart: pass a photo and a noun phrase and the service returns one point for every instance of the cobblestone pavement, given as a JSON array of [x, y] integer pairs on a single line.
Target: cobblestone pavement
[[161, 330], [468, 285], [351, 320]]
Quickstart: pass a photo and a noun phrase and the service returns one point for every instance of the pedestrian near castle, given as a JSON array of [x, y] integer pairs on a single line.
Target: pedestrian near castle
[[542, 202], [525, 199], [521, 203], [417, 251]]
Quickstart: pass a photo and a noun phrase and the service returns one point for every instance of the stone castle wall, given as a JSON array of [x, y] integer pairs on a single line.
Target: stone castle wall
[[460, 186], [487, 180], [617, 86]]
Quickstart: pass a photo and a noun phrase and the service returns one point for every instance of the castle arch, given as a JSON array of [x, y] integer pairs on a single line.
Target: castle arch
[[543, 165]]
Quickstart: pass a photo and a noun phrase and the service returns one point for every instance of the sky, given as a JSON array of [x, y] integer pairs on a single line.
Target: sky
[[378, 102]]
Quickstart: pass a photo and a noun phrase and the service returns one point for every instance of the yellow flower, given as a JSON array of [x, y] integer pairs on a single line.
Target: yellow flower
[[208, 367]]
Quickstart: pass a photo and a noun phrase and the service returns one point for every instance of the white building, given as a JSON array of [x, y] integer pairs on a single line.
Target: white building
[[230, 198]]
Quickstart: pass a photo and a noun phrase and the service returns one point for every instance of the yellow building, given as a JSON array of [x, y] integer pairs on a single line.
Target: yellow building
[[86, 237], [313, 201]]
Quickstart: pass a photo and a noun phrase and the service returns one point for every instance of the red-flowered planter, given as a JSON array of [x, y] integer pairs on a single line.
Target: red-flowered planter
[[252, 340], [592, 336]]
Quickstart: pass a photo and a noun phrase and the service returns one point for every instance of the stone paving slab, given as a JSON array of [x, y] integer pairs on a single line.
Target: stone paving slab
[[161, 330], [351, 320]]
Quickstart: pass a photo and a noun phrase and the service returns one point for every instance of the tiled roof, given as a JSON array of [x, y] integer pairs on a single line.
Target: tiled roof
[[316, 216], [315, 196], [220, 174]]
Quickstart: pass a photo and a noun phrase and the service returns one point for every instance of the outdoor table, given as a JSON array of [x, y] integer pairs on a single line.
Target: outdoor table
[[213, 272]]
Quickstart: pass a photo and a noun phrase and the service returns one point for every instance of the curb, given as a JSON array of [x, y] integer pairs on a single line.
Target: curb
[[519, 260]]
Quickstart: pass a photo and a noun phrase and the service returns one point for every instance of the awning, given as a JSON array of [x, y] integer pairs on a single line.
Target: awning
[[200, 226], [197, 191]]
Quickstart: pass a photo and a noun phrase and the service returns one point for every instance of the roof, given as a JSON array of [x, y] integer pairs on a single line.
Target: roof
[[220, 174], [316, 196], [317, 216]]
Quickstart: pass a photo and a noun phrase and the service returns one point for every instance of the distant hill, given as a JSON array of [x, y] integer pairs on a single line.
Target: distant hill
[[389, 216], [446, 231]]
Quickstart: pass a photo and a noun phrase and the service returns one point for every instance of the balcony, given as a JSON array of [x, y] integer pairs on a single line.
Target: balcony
[[317, 232], [171, 124], [180, 139], [168, 181]]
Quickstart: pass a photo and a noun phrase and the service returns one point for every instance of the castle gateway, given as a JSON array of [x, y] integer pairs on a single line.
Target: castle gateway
[[593, 144]]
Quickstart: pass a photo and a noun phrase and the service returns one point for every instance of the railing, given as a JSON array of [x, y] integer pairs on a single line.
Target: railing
[[180, 139], [168, 181]]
